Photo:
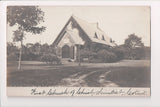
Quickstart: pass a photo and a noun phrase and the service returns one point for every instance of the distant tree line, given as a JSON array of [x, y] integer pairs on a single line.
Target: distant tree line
[[31, 52]]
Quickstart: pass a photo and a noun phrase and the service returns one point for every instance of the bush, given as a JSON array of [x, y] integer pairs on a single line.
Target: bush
[[124, 52], [50, 59], [137, 54], [87, 54], [107, 56], [31, 57], [12, 57], [119, 52]]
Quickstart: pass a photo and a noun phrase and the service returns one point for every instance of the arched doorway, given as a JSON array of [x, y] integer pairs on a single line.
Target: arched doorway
[[65, 51]]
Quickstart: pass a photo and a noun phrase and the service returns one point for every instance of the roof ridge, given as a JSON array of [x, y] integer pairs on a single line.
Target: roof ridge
[[83, 20], [88, 22]]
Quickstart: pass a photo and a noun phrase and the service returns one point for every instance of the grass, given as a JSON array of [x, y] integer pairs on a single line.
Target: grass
[[123, 77], [126, 73]]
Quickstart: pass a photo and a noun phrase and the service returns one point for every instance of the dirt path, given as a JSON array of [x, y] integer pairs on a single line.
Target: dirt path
[[75, 80], [104, 82], [78, 80]]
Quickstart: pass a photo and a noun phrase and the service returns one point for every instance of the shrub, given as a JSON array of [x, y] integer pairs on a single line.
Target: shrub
[[119, 52], [137, 53], [50, 59], [31, 57], [107, 56], [12, 57], [85, 53], [124, 52]]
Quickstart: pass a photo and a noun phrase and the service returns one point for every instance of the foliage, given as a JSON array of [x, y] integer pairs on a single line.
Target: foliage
[[137, 54], [12, 57], [147, 52], [50, 59], [11, 48], [26, 18], [12, 51], [119, 51], [133, 41], [88, 54], [107, 56], [18, 35], [31, 52], [134, 47], [97, 47], [30, 57]]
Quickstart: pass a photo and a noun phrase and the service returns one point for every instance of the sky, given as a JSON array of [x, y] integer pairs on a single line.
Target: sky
[[116, 21]]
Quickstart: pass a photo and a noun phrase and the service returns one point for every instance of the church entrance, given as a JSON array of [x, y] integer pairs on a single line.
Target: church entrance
[[65, 51]]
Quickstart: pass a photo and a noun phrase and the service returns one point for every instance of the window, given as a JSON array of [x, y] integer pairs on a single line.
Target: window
[[95, 36], [103, 37], [111, 40]]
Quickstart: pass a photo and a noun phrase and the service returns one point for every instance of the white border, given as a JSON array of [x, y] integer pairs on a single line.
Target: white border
[[153, 101]]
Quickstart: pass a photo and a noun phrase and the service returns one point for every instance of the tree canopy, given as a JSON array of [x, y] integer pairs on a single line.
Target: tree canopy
[[133, 41], [26, 18]]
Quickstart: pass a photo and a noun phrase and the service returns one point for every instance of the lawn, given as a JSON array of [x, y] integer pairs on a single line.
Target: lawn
[[126, 73]]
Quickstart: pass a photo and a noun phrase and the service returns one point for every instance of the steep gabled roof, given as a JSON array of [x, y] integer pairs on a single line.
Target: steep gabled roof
[[94, 33], [76, 38], [92, 30]]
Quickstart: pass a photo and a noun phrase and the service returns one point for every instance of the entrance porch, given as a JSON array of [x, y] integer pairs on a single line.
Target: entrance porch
[[69, 52]]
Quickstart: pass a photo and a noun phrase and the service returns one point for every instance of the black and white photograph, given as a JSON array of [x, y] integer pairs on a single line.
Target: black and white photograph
[[78, 50]]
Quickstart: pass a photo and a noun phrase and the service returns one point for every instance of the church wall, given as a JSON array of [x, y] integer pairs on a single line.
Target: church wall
[[66, 40]]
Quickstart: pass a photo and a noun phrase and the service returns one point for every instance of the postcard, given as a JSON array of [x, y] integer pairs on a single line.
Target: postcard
[[78, 50]]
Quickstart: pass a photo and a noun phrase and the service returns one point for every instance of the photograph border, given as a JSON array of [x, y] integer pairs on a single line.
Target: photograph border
[[152, 4]]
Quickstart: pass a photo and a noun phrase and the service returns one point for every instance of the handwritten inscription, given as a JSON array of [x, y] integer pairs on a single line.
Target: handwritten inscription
[[81, 91]]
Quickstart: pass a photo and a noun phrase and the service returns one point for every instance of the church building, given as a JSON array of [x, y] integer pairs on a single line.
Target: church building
[[79, 33]]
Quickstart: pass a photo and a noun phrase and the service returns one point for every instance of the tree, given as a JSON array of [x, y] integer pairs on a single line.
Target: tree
[[27, 19], [134, 46], [133, 41]]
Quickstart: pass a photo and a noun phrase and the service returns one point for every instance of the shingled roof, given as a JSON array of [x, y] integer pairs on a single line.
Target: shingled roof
[[94, 33]]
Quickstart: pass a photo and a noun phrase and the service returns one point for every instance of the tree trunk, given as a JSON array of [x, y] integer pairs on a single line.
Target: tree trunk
[[20, 57]]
